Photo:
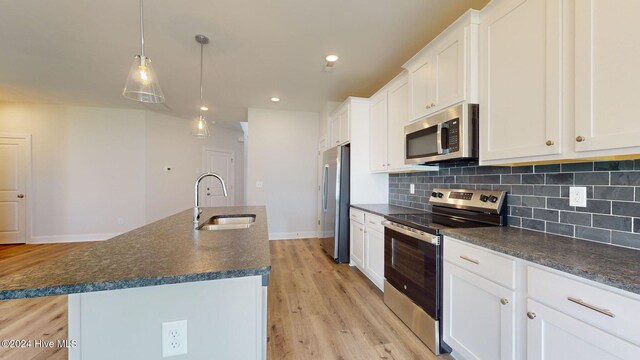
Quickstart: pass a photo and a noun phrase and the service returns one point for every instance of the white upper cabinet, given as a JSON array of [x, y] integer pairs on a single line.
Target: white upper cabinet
[[398, 111], [607, 54], [558, 80], [378, 127], [521, 80], [445, 71], [340, 125], [389, 116]]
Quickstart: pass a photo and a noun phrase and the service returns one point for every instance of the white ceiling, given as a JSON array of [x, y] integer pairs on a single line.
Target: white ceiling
[[78, 52]]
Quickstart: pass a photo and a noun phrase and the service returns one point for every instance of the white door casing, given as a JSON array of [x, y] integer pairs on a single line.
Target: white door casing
[[221, 162], [15, 167]]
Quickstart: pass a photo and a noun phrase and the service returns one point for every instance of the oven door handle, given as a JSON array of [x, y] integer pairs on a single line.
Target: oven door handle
[[422, 236]]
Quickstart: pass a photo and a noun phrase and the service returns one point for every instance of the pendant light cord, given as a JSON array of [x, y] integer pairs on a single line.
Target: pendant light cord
[[201, 91], [141, 30]]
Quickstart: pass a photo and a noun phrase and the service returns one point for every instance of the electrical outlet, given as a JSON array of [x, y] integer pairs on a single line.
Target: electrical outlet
[[174, 338], [578, 196], [412, 188], [259, 184], [120, 221]]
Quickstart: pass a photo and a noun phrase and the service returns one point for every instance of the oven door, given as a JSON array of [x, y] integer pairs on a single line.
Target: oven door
[[413, 267]]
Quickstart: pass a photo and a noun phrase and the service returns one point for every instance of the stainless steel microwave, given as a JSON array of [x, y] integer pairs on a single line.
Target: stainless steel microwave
[[449, 135]]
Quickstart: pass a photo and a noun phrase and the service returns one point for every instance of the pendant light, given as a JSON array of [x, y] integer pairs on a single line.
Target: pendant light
[[200, 126], [142, 84]]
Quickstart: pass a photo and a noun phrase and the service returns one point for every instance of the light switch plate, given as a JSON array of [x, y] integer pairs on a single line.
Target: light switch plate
[[578, 196], [259, 184], [412, 188]]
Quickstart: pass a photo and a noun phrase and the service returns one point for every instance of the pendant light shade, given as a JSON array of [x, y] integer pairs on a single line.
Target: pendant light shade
[[200, 127], [142, 83]]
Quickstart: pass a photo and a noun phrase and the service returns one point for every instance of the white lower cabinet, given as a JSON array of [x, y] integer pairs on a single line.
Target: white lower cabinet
[[547, 315], [367, 245], [553, 335], [374, 256], [479, 315], [356, 236]]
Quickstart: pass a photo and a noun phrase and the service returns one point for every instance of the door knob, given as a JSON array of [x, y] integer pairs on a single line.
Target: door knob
[[549, 142], [504, 301], [20, 196], [580, 139]]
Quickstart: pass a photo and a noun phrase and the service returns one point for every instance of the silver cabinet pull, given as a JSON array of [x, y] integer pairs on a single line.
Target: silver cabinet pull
[[20, 196], [504, 301], [592, 307], [372, 222], [549, 143], [531, 315], [469, 259], [580, 139]]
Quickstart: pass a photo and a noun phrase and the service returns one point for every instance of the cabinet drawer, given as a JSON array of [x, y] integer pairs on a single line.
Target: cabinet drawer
[[491, 266], [357, 216], [609, 311], [374, 222]]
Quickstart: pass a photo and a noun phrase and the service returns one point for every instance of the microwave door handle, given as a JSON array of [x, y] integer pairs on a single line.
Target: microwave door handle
[[439, 139]]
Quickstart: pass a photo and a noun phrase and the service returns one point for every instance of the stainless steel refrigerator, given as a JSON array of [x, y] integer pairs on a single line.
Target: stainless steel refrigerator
[[335, 203]]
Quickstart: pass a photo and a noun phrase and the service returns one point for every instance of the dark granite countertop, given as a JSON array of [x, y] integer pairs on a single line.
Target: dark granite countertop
[[167, 251], [610, 265], [386, 209]]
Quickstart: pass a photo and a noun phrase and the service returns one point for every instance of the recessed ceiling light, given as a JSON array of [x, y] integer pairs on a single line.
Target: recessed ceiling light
[[275, 99], [204, 108], [332, 58]]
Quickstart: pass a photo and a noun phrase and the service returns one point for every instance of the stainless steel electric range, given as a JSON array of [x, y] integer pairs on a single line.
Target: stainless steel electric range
[[413, 255]]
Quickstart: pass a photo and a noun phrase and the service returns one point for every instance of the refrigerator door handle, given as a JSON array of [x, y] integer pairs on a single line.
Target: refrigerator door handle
[[325, 187]]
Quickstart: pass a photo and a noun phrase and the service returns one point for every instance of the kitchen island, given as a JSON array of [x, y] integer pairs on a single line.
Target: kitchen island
[[122, 290]]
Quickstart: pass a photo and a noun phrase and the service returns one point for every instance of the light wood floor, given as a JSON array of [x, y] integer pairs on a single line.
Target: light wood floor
[[41, 318], [322, 310], [317, 309]]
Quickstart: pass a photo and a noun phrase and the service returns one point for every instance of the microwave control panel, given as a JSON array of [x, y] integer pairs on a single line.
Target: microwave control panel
[[454, 135]]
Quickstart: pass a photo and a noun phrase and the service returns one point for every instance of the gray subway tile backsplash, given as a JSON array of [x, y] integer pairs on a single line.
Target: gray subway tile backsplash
[[538, 196]]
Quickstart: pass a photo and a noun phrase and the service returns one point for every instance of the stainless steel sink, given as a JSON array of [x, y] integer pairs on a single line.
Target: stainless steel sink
[[228, 222]]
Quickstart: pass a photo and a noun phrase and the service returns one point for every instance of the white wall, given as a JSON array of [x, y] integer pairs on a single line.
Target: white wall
[[87, 169], [282, 154], [92, 166]]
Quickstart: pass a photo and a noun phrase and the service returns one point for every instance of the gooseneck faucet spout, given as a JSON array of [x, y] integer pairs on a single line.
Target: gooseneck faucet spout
[[196, 210]]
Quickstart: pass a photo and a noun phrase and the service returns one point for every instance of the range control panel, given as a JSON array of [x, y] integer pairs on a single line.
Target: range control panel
[[480, 200]]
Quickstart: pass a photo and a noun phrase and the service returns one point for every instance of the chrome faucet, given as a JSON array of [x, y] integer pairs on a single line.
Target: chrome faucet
[[196, 211]]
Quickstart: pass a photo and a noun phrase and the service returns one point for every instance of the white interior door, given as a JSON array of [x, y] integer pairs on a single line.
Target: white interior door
[[221, 162], [14, 167]]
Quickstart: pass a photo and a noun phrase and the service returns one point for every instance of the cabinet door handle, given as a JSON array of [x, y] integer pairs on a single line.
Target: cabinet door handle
[[592, 307], [470, 259], [504, 301], [426, 107], [432, 105], [20, 196], [549, 143], [580, 139], [531, 315]]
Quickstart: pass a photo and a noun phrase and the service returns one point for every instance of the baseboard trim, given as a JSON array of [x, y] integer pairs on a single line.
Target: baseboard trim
[[293, 235], [70, 238]]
